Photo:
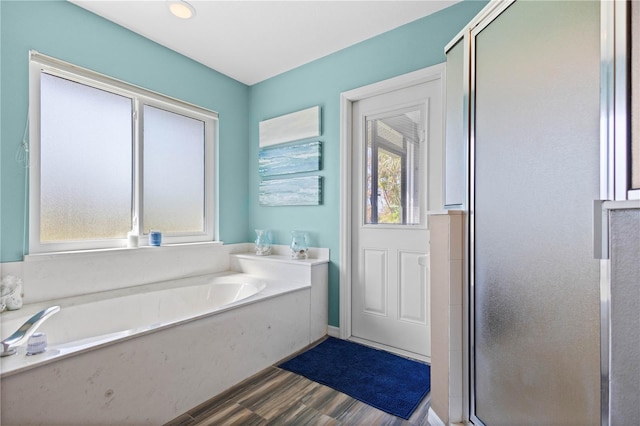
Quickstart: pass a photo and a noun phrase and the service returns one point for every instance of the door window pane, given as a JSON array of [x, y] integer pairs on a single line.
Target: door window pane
[[174, 172], [389, 187], [85, 148], [393, 169]]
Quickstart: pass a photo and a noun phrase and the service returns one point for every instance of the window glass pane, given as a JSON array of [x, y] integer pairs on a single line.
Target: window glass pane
[[393, 169], [86, 146], [389, 187], [174, 167]]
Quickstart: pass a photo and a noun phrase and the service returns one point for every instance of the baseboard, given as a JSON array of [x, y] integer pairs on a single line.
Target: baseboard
[[433, 419], [333, 331]]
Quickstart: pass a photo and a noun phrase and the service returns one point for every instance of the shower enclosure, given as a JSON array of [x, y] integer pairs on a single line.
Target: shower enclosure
[[532, 111]]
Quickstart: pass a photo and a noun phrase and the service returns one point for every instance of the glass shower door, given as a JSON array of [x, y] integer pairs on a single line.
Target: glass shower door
[[535, 282]]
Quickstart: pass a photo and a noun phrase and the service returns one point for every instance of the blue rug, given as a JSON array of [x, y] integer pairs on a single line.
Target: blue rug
[[380, 379]]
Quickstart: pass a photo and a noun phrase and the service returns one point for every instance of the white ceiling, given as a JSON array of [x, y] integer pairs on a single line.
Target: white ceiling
[[252, 41]]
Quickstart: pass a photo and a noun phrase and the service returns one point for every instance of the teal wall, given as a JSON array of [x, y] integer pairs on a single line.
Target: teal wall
[[411, 47], [65, 31]]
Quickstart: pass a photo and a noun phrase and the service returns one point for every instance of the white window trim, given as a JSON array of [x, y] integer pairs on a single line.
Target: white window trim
[[140, 96]]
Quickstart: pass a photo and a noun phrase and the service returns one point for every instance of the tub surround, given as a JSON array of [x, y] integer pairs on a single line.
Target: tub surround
[[89, 322], [69, 274], [152, 377], [313, 270]]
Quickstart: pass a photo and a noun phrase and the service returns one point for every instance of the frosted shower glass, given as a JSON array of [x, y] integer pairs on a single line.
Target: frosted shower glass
[[537, 356], [174, 166], [624, 234], [635, 89], [86, 145]]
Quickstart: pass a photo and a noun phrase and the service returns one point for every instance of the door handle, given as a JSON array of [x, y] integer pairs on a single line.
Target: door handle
[[423, 260], [600, 230]]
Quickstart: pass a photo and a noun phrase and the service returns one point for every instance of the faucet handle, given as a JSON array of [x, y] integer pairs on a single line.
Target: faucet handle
[[25, 331]]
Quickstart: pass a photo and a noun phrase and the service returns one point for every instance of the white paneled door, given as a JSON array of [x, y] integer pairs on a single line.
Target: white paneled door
[[392, 144]]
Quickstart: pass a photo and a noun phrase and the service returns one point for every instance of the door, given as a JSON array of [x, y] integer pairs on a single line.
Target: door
[[535, 325], [392, 133]]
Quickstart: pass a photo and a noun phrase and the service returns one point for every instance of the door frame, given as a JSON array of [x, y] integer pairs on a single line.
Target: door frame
[[434, 72]]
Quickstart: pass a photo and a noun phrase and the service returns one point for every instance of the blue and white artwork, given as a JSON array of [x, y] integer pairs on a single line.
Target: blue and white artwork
[[301, 191], [303, 157], [296, 126]]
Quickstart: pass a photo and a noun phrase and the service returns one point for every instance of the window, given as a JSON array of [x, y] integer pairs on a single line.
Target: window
[[393, 168], [107, 158]]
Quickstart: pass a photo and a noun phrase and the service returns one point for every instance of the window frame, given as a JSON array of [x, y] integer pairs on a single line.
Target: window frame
[[38, 64]]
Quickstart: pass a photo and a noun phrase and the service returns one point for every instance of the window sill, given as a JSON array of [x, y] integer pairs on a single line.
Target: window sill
[[117, 251]]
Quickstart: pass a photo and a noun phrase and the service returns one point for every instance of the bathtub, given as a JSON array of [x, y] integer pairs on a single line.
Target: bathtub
[[147, 354], [88, 322]]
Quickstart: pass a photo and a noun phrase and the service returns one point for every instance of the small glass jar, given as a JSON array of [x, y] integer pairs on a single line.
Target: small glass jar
[[263, 242], [299, 247]]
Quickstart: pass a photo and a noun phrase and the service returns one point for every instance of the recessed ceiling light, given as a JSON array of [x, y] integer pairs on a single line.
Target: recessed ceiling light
[[182, 9]]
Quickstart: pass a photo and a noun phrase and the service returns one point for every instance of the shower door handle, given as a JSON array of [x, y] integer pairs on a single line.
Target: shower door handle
[[600, 230]]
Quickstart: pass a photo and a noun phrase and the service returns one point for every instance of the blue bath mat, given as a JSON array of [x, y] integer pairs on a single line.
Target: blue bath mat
[[380, 379]]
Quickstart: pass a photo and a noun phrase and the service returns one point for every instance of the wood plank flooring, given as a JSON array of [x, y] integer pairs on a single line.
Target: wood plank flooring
[[279, 397]]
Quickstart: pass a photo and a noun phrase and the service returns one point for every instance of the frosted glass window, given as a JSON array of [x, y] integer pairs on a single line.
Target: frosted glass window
[[86, 162], [174, 172], [108, 158]]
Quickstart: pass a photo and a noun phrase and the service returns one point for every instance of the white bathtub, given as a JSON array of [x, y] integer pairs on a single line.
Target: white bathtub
[[146, 354], [87, 322]]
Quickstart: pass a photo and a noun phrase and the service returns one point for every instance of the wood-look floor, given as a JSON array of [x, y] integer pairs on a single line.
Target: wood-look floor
[[279, 397]]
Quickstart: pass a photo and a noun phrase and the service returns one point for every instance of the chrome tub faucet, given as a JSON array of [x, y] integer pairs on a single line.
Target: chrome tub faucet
[[20, 337]]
